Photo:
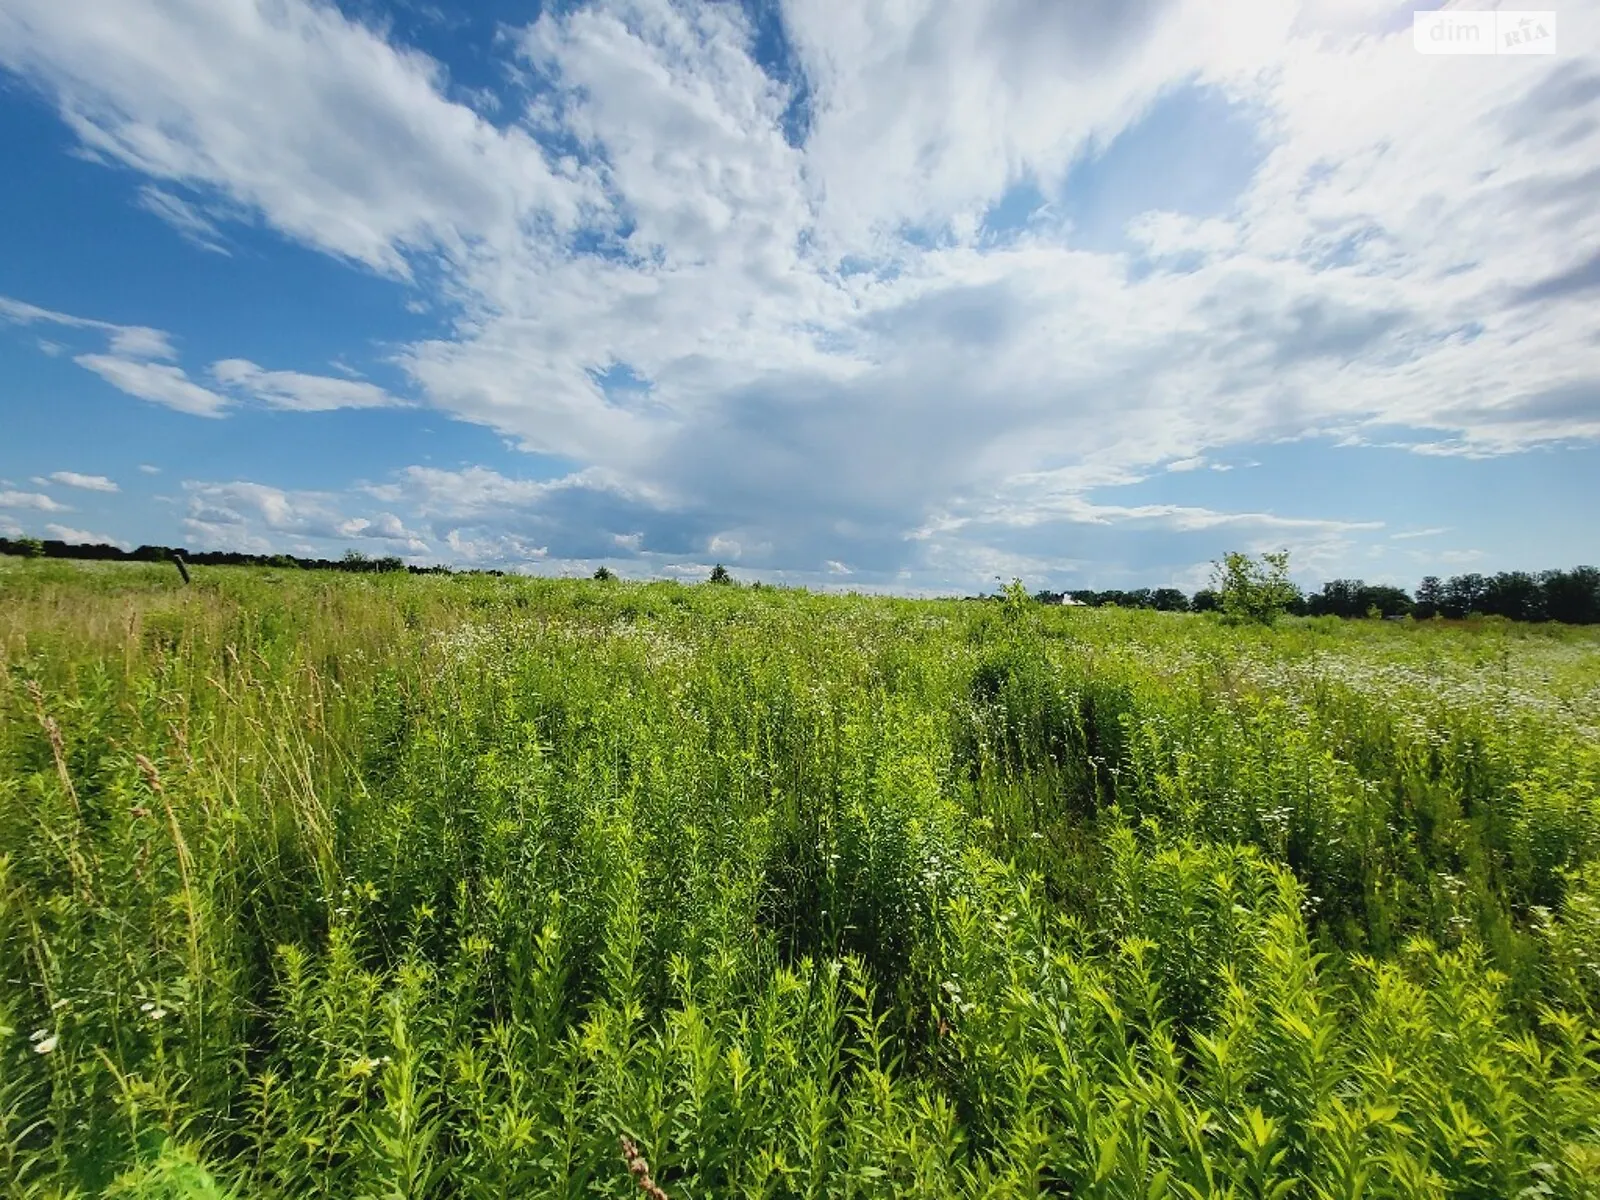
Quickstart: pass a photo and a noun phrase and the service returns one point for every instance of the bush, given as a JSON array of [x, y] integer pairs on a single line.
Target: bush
[[1254, 590]]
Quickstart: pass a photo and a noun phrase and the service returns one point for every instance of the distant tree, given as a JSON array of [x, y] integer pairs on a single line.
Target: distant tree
[[1205, 600], [604, 574], [1169, 600], [1572, 596], [1358, 598], [720, 574], [1386, 600], [1254, 589], [1463, 594], [389, 562], [1338, 598], [1430, 598], [29, 547], [1514, 594]]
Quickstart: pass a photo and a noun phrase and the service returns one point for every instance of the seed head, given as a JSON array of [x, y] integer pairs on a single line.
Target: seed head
[[640, 1169]]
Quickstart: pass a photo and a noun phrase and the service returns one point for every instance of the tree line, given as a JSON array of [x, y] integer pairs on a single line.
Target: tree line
[[1571, 597], [353, 560]]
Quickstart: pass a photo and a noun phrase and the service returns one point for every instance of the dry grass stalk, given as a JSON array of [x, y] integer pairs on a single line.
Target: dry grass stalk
[[57, 744], [640, 1170]]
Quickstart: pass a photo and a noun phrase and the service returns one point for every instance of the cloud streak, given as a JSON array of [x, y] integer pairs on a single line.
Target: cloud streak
[[88, 483]]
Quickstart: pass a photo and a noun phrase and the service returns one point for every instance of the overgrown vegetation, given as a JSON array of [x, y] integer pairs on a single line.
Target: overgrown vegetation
[[368, 884]]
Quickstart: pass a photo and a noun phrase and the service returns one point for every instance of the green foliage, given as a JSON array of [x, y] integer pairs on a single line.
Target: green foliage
[[1253, 589], [604, 574], [720, 574], [326, 884]]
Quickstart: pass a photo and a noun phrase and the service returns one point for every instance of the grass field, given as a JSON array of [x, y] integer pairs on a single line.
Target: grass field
[[385, 886]]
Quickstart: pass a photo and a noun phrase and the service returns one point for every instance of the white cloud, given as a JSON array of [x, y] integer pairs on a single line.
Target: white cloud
[[89, 483], [475, 551], [833, 357], [1417, 533], [155, 382], [298, 392], [149, 470], [253, 517], [34, 500], [139, 363], [83, 537], [128, 341], [357, 153], [191, 223]]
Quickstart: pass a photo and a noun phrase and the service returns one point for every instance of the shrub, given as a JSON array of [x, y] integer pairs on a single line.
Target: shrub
[[1252, 589]]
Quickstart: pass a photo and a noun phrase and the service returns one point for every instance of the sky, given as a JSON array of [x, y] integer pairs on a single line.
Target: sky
[[886, 295]]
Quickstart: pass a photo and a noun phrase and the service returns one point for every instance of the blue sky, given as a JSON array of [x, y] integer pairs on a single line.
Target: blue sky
[[885, 296]]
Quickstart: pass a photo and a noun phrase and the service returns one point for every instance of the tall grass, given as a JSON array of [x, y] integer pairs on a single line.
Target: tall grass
[[412, 886]]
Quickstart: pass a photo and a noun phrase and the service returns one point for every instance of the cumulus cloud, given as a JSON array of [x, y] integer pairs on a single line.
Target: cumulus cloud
[[83, 537], [89, 483], [255, 518], [786, 312], [37, 501]]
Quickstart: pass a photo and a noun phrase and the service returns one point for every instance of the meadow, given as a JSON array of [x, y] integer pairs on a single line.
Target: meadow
[[317, 884]]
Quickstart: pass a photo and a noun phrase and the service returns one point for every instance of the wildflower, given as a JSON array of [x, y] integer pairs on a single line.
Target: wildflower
[[44, 1045]]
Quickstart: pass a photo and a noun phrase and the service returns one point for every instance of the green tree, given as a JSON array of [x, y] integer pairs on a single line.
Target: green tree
[[1169, 600], [720, 574], [30, 547], [1254, 589], [1430, 597], [604, 574]]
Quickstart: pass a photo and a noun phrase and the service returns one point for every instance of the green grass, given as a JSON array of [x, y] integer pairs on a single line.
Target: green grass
[[318, 885]]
